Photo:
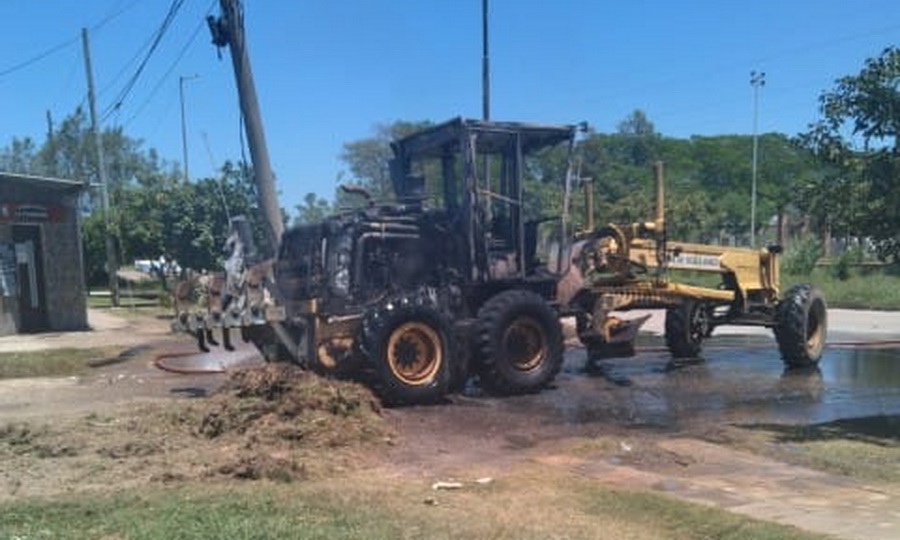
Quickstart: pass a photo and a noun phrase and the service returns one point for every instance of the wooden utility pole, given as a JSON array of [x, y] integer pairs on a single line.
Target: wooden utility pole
[[112, 266], [228, 30]]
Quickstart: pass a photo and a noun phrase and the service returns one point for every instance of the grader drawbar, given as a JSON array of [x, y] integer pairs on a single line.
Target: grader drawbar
[[457, 278]]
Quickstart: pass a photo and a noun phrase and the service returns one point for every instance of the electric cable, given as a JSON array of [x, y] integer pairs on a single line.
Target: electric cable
[[157, 39], [40, 56], [171, 68], [60, 46]]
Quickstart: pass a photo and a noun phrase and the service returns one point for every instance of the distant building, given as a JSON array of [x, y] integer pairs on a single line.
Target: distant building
[[41, 267]]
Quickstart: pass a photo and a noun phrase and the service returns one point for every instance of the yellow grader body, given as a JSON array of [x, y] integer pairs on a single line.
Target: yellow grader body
[[621, 267]]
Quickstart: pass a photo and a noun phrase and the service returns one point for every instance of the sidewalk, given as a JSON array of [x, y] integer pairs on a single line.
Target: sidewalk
[[846, 322], [107, 329]]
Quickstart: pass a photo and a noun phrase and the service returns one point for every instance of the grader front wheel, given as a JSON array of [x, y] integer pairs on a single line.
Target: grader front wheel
[[801, 326], [519, 343]]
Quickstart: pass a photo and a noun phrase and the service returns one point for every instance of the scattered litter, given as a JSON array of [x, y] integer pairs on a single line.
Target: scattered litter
[[430, 501], [484, 481], [625, 446], [446, 485]]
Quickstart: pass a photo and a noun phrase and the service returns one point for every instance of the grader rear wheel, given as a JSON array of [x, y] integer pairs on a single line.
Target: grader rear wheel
[[519, 343], [801, 326]]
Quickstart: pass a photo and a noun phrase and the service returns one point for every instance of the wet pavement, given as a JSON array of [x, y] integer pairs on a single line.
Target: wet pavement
[[739, 380]]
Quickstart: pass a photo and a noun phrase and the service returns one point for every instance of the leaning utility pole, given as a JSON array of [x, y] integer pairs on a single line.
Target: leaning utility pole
[[112, 266], [228, 30]]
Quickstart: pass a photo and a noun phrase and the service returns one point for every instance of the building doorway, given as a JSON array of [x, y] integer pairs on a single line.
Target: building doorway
[[30, 277]]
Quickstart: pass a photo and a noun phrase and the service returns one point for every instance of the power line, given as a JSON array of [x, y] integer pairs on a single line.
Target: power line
[[157, 39], [40, 56], [172, 66], [60, 46], [131, 61], [112, 15]]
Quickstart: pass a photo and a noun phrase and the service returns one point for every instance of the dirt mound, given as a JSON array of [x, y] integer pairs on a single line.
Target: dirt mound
[[269, 423], [285, 403]]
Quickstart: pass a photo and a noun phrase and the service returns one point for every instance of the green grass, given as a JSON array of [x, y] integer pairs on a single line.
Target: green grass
[[535, 505], [51, 363], [872, 289], [183, 514], [866, 448]]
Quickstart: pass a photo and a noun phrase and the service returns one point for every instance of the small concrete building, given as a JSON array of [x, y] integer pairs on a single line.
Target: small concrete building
[[41, 266]]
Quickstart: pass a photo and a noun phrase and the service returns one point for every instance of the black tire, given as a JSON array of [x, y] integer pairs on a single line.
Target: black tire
[[519, 343], [406, 345], [459, 368], [687, 325], [801, 326]]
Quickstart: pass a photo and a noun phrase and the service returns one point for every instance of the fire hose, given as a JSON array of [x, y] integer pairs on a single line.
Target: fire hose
[[159, 361]]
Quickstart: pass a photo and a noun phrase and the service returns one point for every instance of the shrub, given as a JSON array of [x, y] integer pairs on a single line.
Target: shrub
[[850, 257], [801, 256]]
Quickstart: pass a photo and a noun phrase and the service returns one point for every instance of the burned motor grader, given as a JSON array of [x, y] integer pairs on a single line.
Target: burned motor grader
[[415, 295]]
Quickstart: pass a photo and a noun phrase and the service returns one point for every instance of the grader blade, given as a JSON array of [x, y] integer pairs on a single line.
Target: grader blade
[[623, 330]]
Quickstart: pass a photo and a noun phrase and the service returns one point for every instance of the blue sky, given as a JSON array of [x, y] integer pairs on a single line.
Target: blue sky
[[327, 71]]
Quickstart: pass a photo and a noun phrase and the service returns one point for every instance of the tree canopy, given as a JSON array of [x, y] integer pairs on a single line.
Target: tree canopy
[[857, 189]]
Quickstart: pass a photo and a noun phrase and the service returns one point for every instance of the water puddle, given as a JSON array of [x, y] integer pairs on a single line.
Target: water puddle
[[743, 381]]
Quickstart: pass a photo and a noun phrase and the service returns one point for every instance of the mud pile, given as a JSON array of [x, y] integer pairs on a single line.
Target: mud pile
[[285, 403], [278, 415], [276, 422]]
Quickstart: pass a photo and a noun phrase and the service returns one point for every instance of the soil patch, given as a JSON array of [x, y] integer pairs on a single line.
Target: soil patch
[[264, 423]]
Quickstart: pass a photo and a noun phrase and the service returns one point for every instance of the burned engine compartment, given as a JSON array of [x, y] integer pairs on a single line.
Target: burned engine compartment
[[356, 258]]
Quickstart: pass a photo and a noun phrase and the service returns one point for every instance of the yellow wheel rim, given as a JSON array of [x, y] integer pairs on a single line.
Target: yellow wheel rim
[[815, 327], [414, 353], [525, 344]]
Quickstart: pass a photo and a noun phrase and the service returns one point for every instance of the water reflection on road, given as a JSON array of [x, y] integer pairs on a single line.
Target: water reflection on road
[[742, 381]]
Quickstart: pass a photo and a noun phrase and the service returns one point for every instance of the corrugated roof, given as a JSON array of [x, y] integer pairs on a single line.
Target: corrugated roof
[[40, 182]]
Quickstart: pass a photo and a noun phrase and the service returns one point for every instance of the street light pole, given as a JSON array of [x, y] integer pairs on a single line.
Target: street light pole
[[184, 148], [757, 80], [485, 64]]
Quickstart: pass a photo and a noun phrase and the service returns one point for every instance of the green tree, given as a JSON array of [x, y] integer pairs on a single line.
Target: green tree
[[368, 161], [867, 105], [189, 221], [19, 156], [637, 139], [313, 209]]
